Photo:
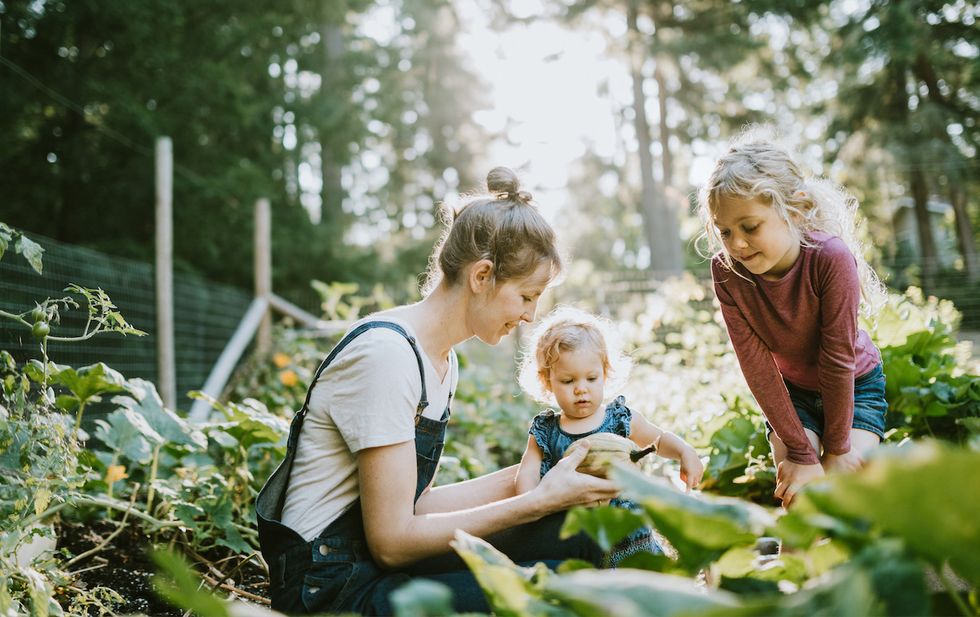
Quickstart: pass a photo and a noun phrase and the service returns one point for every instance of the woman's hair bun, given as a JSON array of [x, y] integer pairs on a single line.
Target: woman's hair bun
[[503, 183]]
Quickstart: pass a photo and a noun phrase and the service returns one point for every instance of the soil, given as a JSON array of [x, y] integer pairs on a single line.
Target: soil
[[125, 567]]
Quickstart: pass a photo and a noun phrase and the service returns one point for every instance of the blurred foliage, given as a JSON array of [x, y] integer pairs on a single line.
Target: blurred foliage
[[277, 101], [857, 544]]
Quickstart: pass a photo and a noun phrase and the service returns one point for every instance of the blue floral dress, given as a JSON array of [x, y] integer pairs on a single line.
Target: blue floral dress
[[553, 441]]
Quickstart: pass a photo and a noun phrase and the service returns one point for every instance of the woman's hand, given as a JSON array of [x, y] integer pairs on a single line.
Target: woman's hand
[[791, 477], [849, 461], [563, 487], [692, 469]]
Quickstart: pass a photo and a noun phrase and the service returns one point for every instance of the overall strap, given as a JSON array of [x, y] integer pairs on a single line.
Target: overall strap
[[356, 332]]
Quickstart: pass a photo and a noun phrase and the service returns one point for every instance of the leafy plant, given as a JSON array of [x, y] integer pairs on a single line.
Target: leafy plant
[[929, 394], [856, 544]]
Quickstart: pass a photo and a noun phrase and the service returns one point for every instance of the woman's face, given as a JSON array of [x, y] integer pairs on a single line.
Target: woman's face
[[503, 308]]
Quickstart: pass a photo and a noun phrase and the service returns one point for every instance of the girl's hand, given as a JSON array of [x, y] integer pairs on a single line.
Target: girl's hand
[[849, 461], [692, 469], [791, 477], [563, 487]]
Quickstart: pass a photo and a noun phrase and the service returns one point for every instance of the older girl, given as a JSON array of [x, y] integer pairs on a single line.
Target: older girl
[[351, 513], [790, 276]]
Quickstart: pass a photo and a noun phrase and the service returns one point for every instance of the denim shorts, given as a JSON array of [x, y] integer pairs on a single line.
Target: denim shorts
[[870, 405]]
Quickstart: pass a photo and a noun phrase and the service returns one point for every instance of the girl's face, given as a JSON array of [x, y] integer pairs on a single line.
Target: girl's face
[[577, 380], [504, 307], [756, 236]]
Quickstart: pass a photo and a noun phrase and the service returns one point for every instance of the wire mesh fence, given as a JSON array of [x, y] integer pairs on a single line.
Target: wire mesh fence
[[205, 314]]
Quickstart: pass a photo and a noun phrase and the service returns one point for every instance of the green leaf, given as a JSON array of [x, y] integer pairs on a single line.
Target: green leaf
[[34, 369], [511, 591], [701, 528], [897, 578], [128, 433], [89, 382], [422, 598], [4, 239], [7, 362], [144, 400], [847, 591], [607, 525], [634, 593], [32, 252], [250, 422], [177, 583], [234, 540], [900, 489]]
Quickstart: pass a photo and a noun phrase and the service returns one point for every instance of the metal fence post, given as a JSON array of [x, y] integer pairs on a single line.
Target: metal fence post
[[166, 364], [263, 270]]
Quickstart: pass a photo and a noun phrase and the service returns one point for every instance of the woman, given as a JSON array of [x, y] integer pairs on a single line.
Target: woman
[[351, 513]]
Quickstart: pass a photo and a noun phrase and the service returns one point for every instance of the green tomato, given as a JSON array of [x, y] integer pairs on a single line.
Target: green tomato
[[39, 314], [41, 330]]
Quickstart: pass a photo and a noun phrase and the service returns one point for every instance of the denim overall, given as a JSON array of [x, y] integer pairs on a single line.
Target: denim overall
[[335, 571]]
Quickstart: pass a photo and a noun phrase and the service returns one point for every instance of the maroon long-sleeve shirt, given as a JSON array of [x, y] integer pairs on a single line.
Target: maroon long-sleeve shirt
[[802, 327]]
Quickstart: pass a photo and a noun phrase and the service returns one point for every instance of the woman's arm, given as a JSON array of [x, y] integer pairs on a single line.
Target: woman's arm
[[493, 486], [529, 474], [398, 536]]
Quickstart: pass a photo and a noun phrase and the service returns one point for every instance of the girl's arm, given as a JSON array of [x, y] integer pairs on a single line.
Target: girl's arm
[[529, 475], [762, 375], [397, 535], [669, 445], [840, 297]]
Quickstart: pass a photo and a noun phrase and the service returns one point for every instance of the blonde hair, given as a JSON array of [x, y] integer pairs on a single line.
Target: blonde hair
[[501, 225], [570, 329], [757, 166]]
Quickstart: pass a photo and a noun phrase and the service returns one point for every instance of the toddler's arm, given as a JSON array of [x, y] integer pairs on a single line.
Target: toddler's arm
[[669, 445], [529, 473]]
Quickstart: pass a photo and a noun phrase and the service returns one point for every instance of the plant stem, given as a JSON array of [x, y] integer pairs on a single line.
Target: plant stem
[[115, 459], [107, 540], [153, 476], [951, 590], [78, 416], [122, 507], [16, 318]]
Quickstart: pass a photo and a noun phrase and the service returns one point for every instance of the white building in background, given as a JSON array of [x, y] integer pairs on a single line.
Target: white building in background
[[942, 218]]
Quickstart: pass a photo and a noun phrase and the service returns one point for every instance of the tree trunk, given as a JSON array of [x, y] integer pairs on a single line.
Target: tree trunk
[[927, 245], [667, 160], [659, 223], [964, 231], [331, 165]]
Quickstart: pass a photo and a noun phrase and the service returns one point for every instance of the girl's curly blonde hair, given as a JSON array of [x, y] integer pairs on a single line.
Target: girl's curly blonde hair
[[758, 166], [569, 329]]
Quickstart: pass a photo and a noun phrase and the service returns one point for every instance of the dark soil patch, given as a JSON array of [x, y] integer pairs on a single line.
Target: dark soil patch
[[125, 567]]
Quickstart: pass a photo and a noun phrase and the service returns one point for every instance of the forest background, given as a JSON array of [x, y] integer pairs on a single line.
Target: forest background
[[357, 118]]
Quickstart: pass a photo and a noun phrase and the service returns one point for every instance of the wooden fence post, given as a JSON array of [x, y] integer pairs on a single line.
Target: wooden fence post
[[166, 363], [263, 270]]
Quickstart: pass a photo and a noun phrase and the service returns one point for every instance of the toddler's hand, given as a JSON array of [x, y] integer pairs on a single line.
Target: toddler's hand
[[791, 477], [849, 461], [692, 469]]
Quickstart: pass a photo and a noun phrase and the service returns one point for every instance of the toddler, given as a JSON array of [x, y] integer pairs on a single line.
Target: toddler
[[575, 357]]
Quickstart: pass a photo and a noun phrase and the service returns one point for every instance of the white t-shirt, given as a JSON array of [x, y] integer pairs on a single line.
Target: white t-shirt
[[366, 398]]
